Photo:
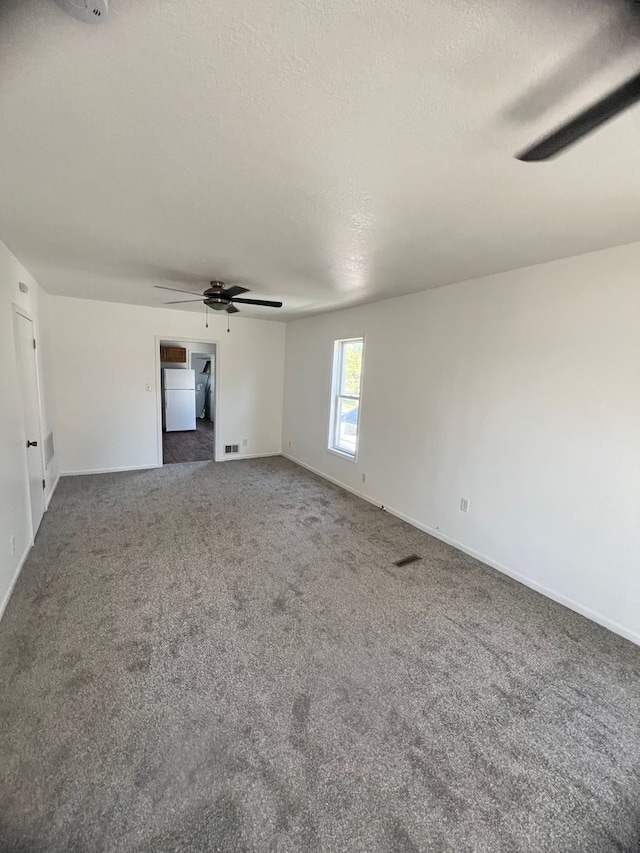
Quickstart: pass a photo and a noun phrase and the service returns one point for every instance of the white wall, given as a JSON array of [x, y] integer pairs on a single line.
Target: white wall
[[520, 391], [105, 353], [15, 513]]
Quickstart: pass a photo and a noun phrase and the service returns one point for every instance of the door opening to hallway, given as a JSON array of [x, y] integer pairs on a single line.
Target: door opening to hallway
[[188, 401]]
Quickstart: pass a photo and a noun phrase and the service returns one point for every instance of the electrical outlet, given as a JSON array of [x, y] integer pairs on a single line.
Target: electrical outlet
[[364, 478], [465, 503], [244, 442], [12, 544], [289, 445], [147, 387]]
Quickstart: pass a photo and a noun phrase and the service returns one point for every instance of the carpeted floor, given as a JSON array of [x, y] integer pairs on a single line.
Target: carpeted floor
[[224, 657]]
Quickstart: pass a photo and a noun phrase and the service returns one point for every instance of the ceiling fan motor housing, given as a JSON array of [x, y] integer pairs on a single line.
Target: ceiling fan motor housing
[[89, 11], [214, 298]]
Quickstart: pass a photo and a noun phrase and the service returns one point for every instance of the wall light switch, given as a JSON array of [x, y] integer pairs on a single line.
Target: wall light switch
[[465, 503], [12, 544]]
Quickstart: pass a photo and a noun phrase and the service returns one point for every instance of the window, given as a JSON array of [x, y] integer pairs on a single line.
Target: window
[[345, 396]]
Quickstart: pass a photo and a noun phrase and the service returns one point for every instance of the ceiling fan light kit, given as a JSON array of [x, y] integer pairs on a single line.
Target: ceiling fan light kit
[[218, 297], [88, 11]]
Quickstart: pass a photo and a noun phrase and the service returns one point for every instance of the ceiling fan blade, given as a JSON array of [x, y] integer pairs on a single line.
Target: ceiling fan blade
[[232, 309], [265, 302], [236, 290], [606, 108], [162, 287], [182, 301]]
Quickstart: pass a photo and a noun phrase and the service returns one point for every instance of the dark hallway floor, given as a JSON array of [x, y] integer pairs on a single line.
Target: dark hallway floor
[[190, 446]]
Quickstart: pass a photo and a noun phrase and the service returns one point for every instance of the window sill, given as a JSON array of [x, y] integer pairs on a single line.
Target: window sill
[[342, 454]]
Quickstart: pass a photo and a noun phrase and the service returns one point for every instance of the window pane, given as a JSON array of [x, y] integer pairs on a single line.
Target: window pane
[[347, 425], [351, 368]]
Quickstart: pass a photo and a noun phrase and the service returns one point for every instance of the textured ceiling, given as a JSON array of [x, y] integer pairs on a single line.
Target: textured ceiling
[[324, 153]]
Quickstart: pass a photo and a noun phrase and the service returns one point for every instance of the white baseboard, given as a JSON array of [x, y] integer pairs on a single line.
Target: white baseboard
[[333, 480], [14, 580], [109, 470], [523, 579], [593, 615], [51, 493], [22, 561]]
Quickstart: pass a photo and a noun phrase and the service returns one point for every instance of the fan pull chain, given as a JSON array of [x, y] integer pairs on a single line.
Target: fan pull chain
[[228, 329], [206, 316]]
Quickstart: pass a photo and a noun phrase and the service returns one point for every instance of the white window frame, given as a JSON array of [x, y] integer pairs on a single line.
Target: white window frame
[[336, 374]]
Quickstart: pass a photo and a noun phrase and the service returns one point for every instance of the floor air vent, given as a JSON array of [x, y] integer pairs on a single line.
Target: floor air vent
[[412, 558]]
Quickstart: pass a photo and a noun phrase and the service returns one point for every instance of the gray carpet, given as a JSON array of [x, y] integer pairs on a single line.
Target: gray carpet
[[223, 657]]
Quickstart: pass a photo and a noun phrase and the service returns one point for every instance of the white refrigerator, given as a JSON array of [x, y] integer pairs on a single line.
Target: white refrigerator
[[179, 399]]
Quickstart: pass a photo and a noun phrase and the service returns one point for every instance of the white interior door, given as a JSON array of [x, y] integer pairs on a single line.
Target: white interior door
[[28, 377]]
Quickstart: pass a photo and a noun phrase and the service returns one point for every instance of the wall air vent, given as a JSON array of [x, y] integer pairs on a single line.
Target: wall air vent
[[49, 449], [231, 448]]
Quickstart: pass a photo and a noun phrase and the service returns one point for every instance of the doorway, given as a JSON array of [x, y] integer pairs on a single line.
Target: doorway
[[188, 394], [28, 378]]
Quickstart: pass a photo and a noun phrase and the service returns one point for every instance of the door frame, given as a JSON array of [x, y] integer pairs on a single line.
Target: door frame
[[189, 340], [19, 310]]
